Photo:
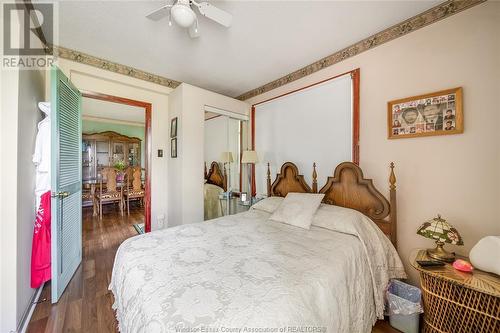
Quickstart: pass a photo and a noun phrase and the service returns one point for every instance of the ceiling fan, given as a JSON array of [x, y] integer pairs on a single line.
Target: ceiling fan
[[181, 11]]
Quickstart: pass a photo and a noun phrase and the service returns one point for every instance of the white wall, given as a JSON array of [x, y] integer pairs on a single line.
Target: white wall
[[456, 175], [19, 120], [187, 102], [8, 202], [175, 175], [20, 93], [89, 78]]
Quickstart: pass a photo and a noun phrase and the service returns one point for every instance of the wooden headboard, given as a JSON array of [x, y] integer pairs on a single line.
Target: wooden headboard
[[215, 176], [347, 188]]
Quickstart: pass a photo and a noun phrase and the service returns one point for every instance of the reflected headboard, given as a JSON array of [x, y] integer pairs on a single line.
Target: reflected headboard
[[347, 188], [215, 176], [288, 180]]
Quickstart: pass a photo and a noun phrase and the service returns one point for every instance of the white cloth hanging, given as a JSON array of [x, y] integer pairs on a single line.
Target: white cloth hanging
[[41, 156]]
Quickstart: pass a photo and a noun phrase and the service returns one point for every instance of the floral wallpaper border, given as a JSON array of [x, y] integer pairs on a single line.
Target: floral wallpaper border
[[430, 16], [77, 56]]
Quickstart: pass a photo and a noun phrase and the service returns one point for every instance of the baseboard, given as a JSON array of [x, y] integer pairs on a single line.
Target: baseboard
[[23, 325]]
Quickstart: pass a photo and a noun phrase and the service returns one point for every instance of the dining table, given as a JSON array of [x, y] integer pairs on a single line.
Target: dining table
[[92, 185]]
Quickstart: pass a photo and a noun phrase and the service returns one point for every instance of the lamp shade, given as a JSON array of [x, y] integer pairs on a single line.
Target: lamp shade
[[249, 156], [226, 157], [441, 231]]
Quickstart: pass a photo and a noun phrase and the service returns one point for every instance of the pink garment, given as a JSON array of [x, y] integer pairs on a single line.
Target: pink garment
[[40, 251]]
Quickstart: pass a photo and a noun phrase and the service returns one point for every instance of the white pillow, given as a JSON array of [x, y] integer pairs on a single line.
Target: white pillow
[[298, 209], [329, 216], [268, 205], [482, 255]]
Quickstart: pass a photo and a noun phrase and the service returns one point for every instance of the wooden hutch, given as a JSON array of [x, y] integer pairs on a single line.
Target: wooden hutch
[[104, 149]]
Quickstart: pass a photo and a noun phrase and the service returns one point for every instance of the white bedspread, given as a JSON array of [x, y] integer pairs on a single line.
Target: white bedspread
[[247, 273]]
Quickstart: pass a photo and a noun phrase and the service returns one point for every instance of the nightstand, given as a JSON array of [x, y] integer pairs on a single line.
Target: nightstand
[[235, 206], [458, 302]]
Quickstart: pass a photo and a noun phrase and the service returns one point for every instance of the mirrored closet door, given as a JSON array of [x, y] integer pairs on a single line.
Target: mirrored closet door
[[222, 153]]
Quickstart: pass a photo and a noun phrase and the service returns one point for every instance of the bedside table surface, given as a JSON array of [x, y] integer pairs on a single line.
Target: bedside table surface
[[478, 280], [235, 206]]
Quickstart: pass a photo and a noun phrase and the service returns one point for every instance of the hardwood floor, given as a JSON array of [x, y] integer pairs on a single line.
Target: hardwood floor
[[85, 305], [384, 327]]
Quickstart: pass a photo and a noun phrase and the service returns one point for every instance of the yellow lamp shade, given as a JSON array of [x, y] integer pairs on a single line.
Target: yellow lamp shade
[[249, 156], [226, 157]]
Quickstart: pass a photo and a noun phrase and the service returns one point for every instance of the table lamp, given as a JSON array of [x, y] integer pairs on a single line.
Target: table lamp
[[226, 157], [443, 232], [249, 157]]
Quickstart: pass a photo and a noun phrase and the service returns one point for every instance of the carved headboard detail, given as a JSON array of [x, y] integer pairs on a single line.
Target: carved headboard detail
[[215, 176], [347, 188], [288, 180]]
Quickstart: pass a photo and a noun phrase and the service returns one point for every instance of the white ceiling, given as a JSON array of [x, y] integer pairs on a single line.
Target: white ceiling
[[112, 111], [268, 39]]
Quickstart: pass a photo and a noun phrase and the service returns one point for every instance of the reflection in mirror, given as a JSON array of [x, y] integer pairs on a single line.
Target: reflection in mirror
[[222, 163]]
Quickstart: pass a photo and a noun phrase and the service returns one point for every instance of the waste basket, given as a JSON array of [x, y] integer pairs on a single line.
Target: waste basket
[[404, 306]]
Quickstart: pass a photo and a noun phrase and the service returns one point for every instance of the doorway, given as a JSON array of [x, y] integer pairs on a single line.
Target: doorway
[[113, 144], [66, 169]]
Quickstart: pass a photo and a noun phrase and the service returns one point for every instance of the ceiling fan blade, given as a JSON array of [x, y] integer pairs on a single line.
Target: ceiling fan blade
[[194, 31], [215, 14], [159, 13]]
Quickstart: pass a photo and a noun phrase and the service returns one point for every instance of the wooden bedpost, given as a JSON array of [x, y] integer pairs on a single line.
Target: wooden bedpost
[[393, 212], [315, 179], [268, 180]]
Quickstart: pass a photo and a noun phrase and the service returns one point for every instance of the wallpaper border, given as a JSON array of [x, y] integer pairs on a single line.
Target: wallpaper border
[[87, 59], [426, 18]]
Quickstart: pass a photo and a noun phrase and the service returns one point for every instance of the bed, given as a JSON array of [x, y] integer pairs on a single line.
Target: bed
[[245, 273], [215, 185]]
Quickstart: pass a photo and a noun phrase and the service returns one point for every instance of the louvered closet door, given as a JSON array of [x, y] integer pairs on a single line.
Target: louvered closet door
[[66, 175]]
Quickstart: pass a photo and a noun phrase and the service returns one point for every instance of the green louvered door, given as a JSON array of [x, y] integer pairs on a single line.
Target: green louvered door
[[66, 175]]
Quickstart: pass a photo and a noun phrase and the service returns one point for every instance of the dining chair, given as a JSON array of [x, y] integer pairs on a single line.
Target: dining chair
[[134, 189], [108, 190]]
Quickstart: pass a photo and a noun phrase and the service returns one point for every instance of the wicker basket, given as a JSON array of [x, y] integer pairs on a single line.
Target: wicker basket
[[456, 302]]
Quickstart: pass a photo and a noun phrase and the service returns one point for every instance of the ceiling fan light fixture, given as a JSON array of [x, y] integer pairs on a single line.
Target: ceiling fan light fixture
[[182, 14]]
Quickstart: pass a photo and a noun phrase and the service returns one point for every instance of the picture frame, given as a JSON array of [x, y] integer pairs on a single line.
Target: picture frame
[[173, 127], [173, 148], [437, 113]]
